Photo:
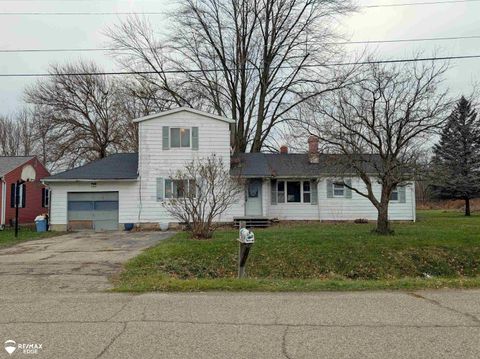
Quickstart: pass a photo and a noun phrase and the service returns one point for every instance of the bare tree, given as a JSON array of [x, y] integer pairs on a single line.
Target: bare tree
[[381, 124], [198, 194], [17, 137], [136, 98], [253, 61], [80, 111]]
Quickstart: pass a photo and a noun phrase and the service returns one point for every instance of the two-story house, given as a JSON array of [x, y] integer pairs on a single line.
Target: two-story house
[[133, 187]]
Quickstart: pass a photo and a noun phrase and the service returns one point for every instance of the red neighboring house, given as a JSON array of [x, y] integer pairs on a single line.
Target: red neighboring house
[[34, 196]]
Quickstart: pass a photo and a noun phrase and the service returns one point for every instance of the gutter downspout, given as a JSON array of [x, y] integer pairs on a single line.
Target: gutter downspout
[[49, 208], [414, 203]]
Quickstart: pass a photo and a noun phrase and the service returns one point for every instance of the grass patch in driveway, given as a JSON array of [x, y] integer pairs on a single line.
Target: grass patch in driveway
[[7, 236], [318, 256]]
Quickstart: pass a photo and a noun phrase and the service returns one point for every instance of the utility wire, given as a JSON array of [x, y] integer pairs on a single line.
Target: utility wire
[[113, 73], [327, 43], [162, 13], [418, 3]]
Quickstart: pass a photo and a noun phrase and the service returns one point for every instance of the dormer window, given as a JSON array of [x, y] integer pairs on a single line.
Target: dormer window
[[180, 137]]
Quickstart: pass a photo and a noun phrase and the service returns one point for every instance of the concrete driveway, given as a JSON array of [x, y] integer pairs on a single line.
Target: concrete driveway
[[75, 262]]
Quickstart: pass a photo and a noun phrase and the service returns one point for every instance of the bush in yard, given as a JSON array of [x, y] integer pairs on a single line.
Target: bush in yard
[[200, 193]]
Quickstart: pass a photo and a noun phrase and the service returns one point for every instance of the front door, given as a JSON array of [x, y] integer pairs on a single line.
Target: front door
[[253, 198]]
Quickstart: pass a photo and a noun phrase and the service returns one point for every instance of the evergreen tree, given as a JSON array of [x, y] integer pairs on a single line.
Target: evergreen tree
[[456, 163]]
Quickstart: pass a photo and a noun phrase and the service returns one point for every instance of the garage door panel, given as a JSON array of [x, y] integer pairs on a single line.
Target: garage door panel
[[93, 196], [80, 206], [105, 225], [106, 206], [93, 210], [104, 215]]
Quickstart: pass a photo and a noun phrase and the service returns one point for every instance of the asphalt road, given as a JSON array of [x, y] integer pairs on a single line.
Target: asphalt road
[[440, 324], [53, 302]]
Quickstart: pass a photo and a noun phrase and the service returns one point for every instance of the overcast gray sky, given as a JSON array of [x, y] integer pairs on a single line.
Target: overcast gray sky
[[383, 23]]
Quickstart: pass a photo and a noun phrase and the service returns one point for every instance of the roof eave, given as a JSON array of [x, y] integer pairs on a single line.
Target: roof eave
[[302, 175], [180, 109], [53, 180]]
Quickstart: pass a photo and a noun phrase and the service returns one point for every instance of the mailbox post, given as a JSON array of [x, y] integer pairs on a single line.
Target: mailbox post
[[246, 240]]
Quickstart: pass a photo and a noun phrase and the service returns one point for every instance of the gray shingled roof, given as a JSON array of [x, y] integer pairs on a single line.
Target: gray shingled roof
[[125, 166], [9, 163], [293, 164], [120, 166]]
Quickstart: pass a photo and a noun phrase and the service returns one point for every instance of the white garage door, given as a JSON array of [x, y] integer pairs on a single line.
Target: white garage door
[[93, 210]]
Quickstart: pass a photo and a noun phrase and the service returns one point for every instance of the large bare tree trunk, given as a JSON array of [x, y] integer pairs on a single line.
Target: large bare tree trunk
[[383, 225]]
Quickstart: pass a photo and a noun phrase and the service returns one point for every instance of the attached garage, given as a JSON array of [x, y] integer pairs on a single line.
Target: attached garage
[[96, 211]]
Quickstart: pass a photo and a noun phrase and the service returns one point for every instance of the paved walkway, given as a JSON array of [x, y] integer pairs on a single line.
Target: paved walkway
[[443, 324]]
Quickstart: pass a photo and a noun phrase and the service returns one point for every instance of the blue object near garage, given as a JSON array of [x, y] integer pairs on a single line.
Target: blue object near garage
[[128, 226], [41, 225]]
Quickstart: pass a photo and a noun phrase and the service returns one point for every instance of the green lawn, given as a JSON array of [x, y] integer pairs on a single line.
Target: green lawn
[[7, 236], [319, 256]]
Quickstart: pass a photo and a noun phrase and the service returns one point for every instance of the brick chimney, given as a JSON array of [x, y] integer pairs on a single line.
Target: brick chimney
[[283, 150], [313, 154]]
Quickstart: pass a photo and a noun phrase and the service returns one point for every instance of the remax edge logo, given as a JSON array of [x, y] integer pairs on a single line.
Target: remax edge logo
[[10, 346]]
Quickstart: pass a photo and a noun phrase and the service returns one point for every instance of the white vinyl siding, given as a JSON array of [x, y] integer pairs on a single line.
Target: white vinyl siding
[[339, 209], [213, 137]]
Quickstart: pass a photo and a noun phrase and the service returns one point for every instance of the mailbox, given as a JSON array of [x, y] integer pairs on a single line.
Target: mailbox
[[246, 236]]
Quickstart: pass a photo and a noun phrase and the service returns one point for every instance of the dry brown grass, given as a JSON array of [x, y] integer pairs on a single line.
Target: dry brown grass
[[456, 205]]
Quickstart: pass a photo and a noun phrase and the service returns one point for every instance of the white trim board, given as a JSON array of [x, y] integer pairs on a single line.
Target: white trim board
[[183, 109]]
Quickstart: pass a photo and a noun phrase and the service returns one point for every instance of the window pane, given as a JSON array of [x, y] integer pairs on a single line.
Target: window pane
[[178, 189], [253, 190], [168, 189], [175, 137], [306, 197], [338, 189], [293, 191], [394, 196], [281, 186], [192, 188], [280, 192], [185, 137], [306, 186]]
